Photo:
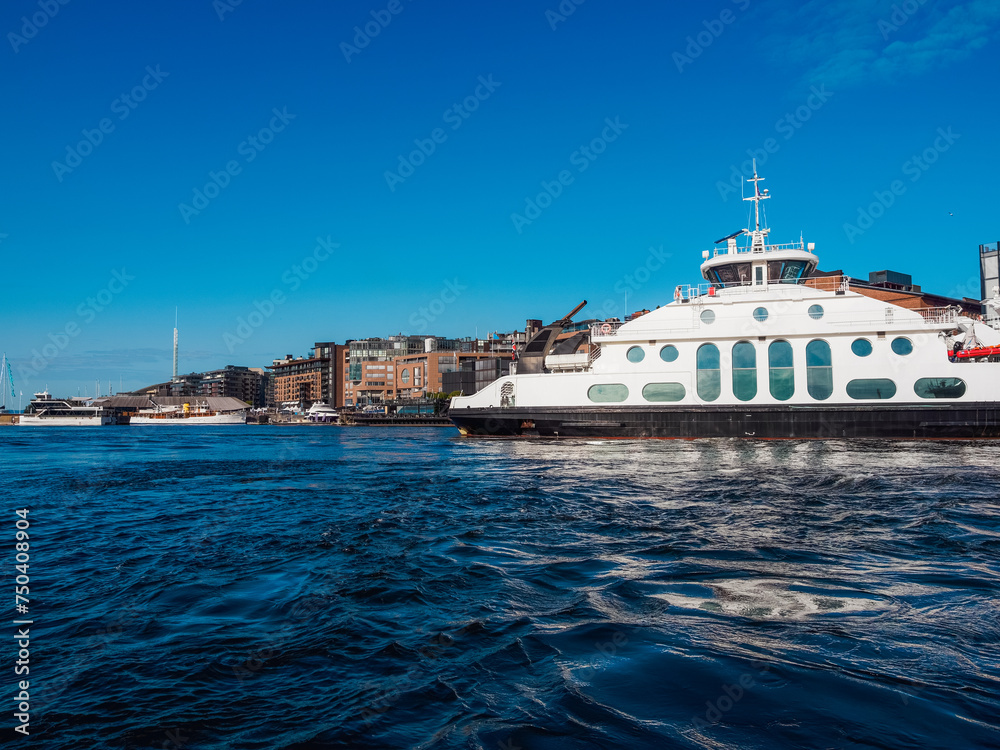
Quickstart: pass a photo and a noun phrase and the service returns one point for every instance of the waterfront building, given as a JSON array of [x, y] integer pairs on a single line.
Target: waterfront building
[[233, 381]]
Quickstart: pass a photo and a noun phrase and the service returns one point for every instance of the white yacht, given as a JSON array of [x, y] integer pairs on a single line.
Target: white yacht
[[760, 351], [186, 414], [323, 413], [53, 412]]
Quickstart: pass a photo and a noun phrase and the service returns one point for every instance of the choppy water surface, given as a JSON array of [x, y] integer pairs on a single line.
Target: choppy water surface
[[365, 588]]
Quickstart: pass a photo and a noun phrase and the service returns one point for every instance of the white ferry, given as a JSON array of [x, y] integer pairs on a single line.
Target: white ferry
[[755, 352], [45, 411], [185, 414]]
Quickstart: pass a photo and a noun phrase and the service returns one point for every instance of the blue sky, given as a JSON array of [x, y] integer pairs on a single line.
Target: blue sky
[[354, 185]]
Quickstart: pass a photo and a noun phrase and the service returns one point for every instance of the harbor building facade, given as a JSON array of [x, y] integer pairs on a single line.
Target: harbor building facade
[[298, 382]]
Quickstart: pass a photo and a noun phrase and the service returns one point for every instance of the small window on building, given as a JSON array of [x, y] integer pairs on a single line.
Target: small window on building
[[668, 353], [780, 370], [744, 370], [861, 347], [404, 376], [707, 317], [874, 388], [939, 388], [819, 370], [760, 314], [902, 346], [607, 393], [815, 311], [664, 392], [709, 373], [635, 354]]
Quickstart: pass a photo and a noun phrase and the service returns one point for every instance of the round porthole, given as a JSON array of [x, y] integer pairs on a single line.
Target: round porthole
[[760, 314], [902, 346], [635, 354], [708, 317], [668, 353], [815, 311], [862, 347]]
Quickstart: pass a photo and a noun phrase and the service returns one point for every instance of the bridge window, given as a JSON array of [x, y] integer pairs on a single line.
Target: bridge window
[[862, 347], [744, 370], [709, 373], [902, 346], [635, 354], [819, 370], [664, 392], [939, 388], [873, 388], [668, 353], [781, 371], [605, 393]]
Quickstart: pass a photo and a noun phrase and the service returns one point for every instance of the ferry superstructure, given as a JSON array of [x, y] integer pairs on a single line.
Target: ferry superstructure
[[45, 411], [753, 352]]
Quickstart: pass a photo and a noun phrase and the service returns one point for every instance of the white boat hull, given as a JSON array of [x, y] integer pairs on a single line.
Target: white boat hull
[[30, 421], [213, 420]]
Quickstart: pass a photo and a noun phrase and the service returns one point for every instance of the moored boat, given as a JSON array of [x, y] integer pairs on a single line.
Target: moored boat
[[755, 351], [45, 411], [186, 414]]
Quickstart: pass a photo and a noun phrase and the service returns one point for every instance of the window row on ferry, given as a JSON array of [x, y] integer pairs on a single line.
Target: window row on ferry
[[780, 374]]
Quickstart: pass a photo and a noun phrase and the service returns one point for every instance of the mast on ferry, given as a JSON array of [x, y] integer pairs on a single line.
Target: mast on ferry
[[758, 234]]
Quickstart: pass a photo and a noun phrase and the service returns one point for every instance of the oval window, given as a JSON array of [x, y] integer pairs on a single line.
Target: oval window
[[815, 311], [760, 314], [709, 373], [744, 370], [939, 388], [819, 370], [873, 388], [781, 373], [635, 354], [668, 353], [405, 375], [708, 317], [862, 347], [902, 346], [664, 392], [607, 393]]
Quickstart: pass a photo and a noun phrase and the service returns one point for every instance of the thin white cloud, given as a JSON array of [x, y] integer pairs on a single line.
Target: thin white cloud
[[842, 42]]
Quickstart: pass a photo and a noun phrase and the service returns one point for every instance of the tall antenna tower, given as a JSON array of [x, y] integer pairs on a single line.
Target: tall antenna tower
[[175, 345]]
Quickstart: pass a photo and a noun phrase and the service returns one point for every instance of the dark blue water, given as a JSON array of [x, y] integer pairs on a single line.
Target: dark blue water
[[367, 588]]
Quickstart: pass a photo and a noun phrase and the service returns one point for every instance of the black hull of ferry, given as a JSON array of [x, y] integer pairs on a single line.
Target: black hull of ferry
[[948, 421]]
